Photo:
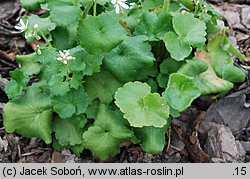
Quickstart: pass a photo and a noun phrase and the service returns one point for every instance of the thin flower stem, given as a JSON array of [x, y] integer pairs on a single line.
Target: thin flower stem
[[166, 6], [45, 39], [86, 10], [95, 4]]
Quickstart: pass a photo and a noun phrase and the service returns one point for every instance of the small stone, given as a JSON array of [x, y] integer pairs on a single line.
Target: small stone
[[246, 16], [246, 145], [222, 144]]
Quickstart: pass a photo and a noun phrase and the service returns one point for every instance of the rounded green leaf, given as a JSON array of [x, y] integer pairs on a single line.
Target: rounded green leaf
[[13, 89], [140, 107], [69, 131], [154, 25], [30, 115], [64, 14], [15, 86], [191, 30], [109, 130], [101, 143], [100, 34], [152, 138], [74, 102], [102, 86], [181, 91], [29, 66], [127, 60], [204, 75], [177, 49]]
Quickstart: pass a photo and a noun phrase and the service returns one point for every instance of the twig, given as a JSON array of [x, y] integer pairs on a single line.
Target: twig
[[169, 138]]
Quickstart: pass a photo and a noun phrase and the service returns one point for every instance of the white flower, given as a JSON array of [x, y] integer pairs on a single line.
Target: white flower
[[64, 56], [38, 50], [35, 26], [119, 4], [22, 26]]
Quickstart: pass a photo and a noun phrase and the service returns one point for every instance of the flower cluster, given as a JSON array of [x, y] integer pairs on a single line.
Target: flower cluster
[[29, 31], [64, 56]]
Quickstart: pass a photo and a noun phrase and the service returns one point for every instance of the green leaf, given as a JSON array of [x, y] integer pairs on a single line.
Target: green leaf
[[52, 3], [102, 86], [74, 102], [140, 107], [47, 56], [207, 81], [204, 75], [31, 4], [109, 130], [92, 62], [44, 24], [188, 3], [177, 49], [152, 138], [29, 115], [93, 109], [29, 66], [58, 86], [76, 80], [181, 91], [222, 61], [15, 86], [100, 34], [219, 57], [233, 74], [64, 14], [13, 89], [162, 80], [127, 60], [19, 76], [77, 149], [100, 142], [167, 67], [69, 37], [112, 121], [191, 30], [154, 25], [101, 2], [193, 67], [148, 4], [69, 131], [76, 65]]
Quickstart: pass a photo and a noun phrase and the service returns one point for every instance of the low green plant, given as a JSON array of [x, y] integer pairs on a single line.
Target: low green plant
[[114, 71]]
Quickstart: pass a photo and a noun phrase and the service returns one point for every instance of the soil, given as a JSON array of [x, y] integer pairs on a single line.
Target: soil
[[211, 130]]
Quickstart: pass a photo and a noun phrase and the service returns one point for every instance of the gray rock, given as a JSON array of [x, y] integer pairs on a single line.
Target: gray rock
[[245, 14], [229, 111], [246, 145], [222, 146]]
